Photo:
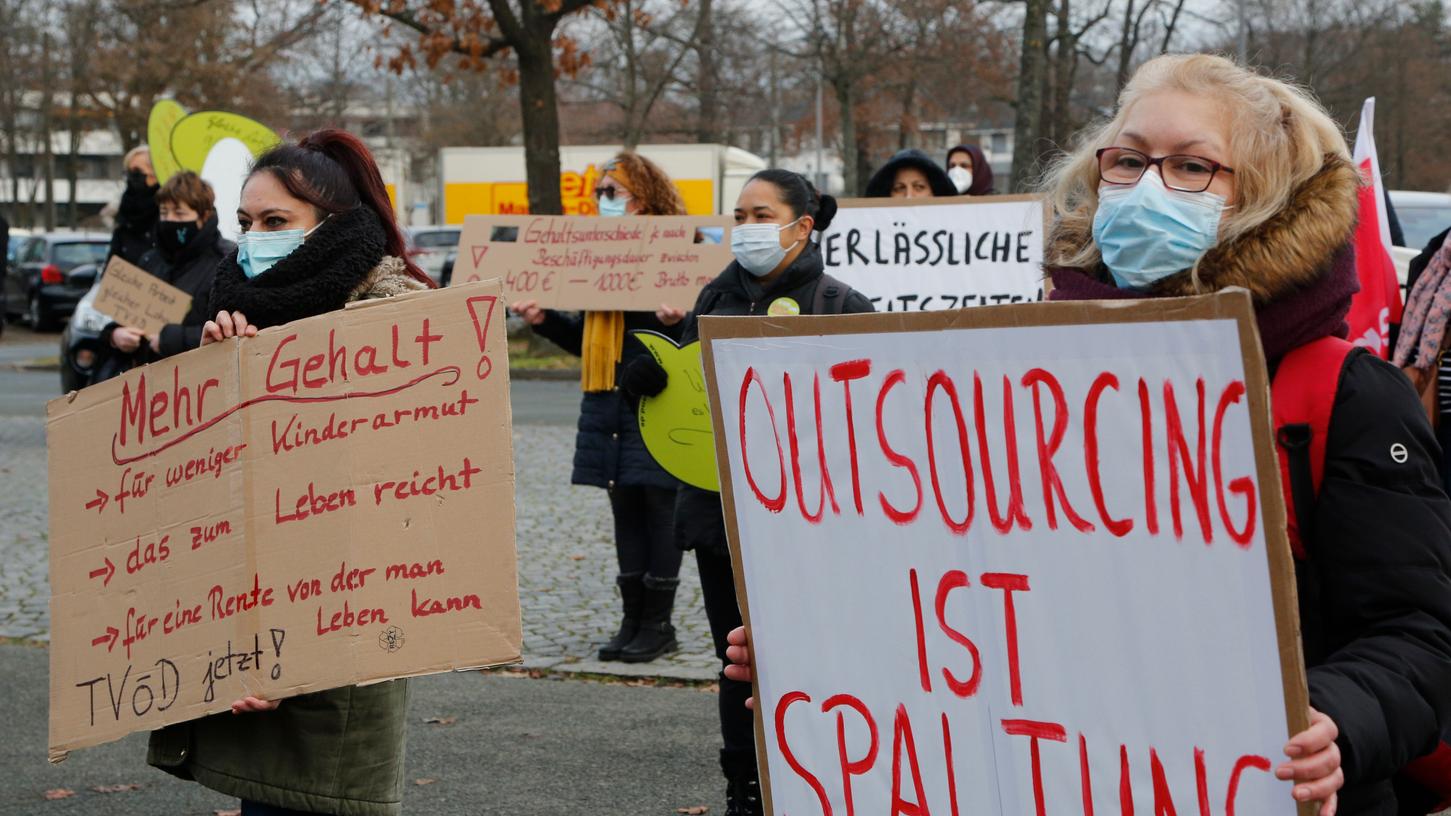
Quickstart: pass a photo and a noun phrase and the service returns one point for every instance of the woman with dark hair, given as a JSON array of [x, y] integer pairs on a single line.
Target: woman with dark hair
[[778, 270], [608, 450], [969, 170], [188, 250], [317, 232], [910, 174]]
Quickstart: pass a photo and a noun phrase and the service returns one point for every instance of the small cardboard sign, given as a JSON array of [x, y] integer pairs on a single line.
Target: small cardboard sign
[[675, 423], [1019, 559], [928, 254], [133, 297], [328, 503], [634, 263]]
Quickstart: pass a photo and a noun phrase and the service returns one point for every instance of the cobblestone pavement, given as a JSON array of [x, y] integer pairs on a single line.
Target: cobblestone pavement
[[566, 551], [24, 587]]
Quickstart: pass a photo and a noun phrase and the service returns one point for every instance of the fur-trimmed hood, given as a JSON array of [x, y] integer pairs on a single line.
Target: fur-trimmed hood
[[390, 277], [1281, 256]]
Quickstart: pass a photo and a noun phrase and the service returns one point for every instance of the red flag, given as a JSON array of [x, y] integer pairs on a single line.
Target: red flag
[[1378, 304]]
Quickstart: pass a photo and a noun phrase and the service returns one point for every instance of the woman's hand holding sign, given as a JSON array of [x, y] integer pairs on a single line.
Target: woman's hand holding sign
[[1315, 763], [227, 324], [739, 654], [252, 705], [529, 310]]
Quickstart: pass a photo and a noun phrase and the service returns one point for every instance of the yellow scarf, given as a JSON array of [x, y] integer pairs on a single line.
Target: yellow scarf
[[604, 340]]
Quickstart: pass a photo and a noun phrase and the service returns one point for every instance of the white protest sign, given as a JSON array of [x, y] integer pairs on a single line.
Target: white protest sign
[[938, 253], [973, 588]]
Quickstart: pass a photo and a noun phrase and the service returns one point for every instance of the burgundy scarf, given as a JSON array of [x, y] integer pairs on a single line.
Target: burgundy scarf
[[1286, 323]]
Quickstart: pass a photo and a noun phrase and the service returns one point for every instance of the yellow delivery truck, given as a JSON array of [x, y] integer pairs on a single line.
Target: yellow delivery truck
[[490, 180]]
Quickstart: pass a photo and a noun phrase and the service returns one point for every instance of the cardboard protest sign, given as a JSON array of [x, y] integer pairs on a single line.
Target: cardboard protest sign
[[675, 423], [927, 254], [134, 297], [1022, 559], [329, 503], [634, 263]]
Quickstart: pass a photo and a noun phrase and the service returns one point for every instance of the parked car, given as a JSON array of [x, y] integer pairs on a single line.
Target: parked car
[[1422, 217], [80, 343], [40, 286], [433, 249]]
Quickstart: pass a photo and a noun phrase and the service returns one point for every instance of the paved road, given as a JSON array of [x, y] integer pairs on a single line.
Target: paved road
[[520, 747]]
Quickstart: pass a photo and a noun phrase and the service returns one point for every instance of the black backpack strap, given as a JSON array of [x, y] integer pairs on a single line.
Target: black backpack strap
[[830, 296]]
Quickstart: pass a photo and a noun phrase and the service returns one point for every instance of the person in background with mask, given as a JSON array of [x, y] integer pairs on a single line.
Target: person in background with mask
[[188, 250], [969, 170], [910, 174], [135, 232], [1210, 176], [318, 232], [609, 451], [778, 270]]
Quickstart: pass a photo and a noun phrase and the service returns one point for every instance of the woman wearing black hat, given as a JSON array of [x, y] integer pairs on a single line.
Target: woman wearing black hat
[[910, 174]]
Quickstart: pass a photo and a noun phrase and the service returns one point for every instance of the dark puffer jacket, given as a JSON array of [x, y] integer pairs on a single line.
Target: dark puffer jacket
[[608, 450], [699, 521], [191, 271]]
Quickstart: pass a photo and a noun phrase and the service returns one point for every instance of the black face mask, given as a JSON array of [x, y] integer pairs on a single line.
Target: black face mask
[[172, 237], [136, 181]]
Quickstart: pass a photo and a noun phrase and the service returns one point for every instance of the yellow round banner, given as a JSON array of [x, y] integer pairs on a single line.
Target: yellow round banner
[[193, 138], [676, 423], [164, 116]]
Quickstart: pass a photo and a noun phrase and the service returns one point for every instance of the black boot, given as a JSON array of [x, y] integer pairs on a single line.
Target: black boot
[[656, 635], [743, 786], [632, 596]]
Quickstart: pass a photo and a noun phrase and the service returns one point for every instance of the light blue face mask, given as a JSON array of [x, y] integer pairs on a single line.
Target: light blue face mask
[[1148, 232], [258, 252], [613, 207]]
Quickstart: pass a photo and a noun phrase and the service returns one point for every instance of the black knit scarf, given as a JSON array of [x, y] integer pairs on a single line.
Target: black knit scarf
[[316, 278]]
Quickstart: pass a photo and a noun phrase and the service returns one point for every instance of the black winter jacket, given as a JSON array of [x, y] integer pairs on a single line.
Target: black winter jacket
[[191, 271], [1375, 598], [136, 219], [699, 519], [608, 449]]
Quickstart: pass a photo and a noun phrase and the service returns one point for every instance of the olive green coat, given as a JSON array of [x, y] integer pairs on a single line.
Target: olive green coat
[[337, 751]]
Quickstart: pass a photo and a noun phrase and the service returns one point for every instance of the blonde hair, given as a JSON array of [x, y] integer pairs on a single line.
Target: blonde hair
[[1279, 138], [134, 152]]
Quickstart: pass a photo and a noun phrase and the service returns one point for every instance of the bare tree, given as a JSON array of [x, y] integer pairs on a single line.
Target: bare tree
[[475, 32], [1032, 76], [641, 58]]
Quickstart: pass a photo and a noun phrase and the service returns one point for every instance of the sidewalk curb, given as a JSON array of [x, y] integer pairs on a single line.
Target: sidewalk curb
[[612, 672], [26, 366], [554, 374]]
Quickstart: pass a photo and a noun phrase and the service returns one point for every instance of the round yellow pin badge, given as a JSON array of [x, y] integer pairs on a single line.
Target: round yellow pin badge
[[783, 307]]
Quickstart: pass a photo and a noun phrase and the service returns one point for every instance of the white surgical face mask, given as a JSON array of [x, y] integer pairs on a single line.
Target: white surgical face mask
[[757, 247], [1147, 232], [961, 178], [258, 252], [614, 207]]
